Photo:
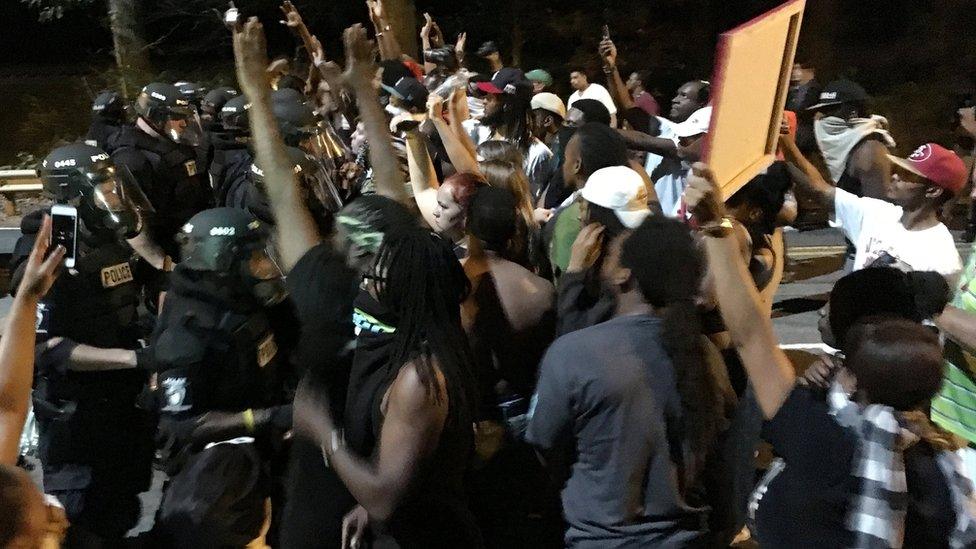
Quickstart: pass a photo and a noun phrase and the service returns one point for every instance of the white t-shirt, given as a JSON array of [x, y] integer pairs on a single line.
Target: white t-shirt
[[538, 163], [668, 186], [594, 91], [874, 226]]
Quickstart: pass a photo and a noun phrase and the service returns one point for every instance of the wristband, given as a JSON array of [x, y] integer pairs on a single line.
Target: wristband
[[248, 417], [332, 446], [718, 229]]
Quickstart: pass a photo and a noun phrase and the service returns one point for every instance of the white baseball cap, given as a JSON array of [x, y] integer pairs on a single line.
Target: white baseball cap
[[550, 102], [620, 189], [696, 124]]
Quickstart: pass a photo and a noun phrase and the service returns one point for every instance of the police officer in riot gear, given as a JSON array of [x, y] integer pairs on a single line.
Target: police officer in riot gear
[[95, 440], [108, 117], [318, 193], [193, 92], [211, 104], [221, 343], [160, 152], [231, 153]]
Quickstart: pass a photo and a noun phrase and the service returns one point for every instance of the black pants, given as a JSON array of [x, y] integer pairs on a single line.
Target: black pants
[[99, 517]]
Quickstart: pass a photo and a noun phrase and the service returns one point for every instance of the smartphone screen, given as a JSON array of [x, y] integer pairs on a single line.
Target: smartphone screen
[[64, 229]]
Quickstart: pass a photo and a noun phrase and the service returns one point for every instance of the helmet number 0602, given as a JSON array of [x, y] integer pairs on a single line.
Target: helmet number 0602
[[222, 231]]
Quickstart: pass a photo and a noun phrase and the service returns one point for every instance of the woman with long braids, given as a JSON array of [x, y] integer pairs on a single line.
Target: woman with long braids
[[408, 433], [635, 400]]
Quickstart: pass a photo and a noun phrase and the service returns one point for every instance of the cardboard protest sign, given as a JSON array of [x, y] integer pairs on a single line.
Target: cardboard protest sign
[[749, 86]]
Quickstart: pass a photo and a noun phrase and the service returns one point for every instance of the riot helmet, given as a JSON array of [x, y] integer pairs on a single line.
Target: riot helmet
[[214, 101], [296, 121], [318, 189], [233, 115], [192, 92], [109, 105], [233, 246], [169, 114], [106, 196]]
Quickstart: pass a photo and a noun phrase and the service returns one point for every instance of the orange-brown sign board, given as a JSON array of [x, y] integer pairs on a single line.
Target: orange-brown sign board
[[749, 86]]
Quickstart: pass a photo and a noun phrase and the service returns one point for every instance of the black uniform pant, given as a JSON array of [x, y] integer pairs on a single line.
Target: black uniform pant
[[100, 516]]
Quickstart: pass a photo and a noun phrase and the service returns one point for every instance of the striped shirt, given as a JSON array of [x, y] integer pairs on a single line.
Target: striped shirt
[[954, 408]]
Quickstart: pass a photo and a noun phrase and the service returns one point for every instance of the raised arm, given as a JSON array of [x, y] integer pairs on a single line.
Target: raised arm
[[458, 110], [293, 20], [870, 164], [388, 45], [742, 310], [618, 90], [429, 29], [360, 72], [296, 229], [459, 154], [17, 342], [805, 175], [423, 177]]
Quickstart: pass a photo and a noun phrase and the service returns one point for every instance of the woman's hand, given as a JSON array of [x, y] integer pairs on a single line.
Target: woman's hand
[[435, 108], [40, 273], [586, 248], [354, 526], [251, 56]]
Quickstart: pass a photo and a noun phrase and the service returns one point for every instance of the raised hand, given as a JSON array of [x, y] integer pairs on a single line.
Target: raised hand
[[377, 13], [435, 107], [251, 58], [462, 41], [608, 50], [702, 195], [317, 52], [40, 273], [431, 32], [360, 55], [293, 19]]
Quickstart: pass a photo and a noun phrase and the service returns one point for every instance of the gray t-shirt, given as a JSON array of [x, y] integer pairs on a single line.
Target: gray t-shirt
[[610, 392]]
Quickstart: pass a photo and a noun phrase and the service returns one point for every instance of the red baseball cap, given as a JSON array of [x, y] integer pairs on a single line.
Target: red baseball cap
[[942, 167]]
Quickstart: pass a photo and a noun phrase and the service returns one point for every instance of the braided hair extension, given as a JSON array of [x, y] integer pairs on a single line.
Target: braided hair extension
[[421, 281], [662, 256]]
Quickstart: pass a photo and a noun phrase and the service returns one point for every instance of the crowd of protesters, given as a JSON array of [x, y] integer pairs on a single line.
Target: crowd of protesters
[[398, 303]]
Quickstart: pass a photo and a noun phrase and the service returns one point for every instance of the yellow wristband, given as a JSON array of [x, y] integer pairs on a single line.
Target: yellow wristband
[[248, 417]]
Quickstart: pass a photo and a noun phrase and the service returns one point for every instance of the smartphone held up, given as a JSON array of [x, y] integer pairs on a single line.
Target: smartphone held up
[[64, 231]]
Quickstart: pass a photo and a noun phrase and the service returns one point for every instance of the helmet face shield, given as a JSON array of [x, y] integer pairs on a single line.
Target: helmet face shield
[[267, 280], [119, 198], [319, 184], [183, 126]]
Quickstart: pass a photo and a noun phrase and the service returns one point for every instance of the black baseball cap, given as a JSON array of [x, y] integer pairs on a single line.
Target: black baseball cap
[[839, 92], [409, 90], [508, 80]]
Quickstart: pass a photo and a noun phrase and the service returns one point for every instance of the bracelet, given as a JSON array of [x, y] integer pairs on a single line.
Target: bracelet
[[717, 229], [335, 442], [248, 417]]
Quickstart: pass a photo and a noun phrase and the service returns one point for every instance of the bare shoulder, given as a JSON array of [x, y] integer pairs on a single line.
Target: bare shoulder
[[409, 393]]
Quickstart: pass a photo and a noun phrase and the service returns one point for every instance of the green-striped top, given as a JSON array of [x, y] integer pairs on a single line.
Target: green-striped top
[[954, 408]]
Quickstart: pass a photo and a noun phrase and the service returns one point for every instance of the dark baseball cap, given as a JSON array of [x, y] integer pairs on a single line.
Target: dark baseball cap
[[839, 92], [409, 90], [508, 80]]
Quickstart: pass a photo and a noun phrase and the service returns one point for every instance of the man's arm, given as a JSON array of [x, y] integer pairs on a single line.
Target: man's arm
[[805, 175], [869, 162], [296, 228], [388, 45], [640, 141], [17, 343], [618, 90], [360, 71], [959, 325], [457, 152]]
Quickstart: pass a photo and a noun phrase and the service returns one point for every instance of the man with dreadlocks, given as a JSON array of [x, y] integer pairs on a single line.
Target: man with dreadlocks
[[507, 116], [410, 406]]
